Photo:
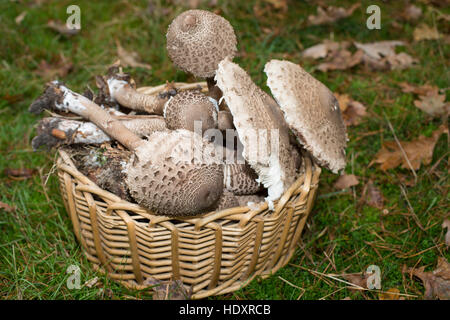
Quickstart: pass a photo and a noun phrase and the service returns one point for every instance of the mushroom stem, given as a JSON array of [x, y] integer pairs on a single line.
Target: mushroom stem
[[125, 95], [59, 97], [55, 131]]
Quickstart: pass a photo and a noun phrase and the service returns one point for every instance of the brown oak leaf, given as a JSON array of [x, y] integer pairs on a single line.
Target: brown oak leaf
[[417, 151], [331, 14], [341, 60], [324, 49], [421, 90], [433, 104], [437, 282], [352, 111]]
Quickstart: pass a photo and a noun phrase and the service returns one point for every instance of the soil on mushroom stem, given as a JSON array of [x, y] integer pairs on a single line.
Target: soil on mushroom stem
[[103, 165]]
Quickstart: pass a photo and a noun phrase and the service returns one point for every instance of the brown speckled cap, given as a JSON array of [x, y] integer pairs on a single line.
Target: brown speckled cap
[[197, 40], [167, 176], [189, 106], [311, 111]]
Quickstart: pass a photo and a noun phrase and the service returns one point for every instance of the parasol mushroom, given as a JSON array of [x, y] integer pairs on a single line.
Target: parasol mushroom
[[197, 40], [311, 111], [256, 117]]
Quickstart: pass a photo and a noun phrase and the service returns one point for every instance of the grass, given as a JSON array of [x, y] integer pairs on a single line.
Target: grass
[[37, 243]]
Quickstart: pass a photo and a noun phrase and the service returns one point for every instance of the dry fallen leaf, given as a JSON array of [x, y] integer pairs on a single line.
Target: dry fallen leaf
[[61, 28], [324, 49], [352, 111], [341, 60], [425, 32], [22, 173], [400, 61], [422, 90], [381, 55], [168, 290], [346, 181], [437, 282], [378, 50], [433, 104], [331, 14], [417, 151], [358, 279], [278, 4], [6, 207], [58, 67], [20, 17], [391, 294], [411, 13], [92, 282], [446, 224], [130, 59]]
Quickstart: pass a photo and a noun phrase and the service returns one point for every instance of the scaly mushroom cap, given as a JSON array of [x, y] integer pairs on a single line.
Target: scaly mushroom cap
[[175, 174], [227, 200], [198, 40], [311, 111], [261, 129], [240, 179], [189, 106]]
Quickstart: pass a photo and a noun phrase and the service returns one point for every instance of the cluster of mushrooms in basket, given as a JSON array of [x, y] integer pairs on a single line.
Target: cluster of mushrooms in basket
[[184, 151]]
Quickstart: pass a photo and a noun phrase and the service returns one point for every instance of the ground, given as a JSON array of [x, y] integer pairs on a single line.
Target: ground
[[343, 234]]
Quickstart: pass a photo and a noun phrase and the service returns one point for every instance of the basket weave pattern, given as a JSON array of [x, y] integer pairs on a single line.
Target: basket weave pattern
[[215, 253]]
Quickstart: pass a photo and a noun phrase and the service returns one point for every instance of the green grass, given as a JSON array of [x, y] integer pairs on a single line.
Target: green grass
[[37, 242]]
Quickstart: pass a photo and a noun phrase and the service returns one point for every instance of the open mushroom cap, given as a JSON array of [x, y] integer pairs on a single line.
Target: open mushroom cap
[[197, 40], [260, 127], [311, 111], [189, 106], [176, 174]]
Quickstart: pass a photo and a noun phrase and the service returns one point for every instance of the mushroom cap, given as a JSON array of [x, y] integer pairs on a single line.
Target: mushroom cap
[[311, 111], [260, 126], [240, 179], [189, 106], [176, 174], [227, 200], [197, 40]]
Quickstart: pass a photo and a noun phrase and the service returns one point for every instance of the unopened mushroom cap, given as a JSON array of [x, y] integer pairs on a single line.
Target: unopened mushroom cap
[[311, 111], [175, 174], [189, 106], [262, 131], [197, 40]]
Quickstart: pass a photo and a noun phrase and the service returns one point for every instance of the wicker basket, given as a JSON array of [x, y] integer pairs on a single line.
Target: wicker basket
[[213, 254]]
